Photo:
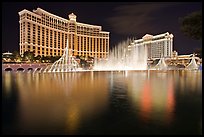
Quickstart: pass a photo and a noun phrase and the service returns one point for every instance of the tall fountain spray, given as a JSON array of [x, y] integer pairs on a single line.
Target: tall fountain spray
[[161, 65], [125, 56], [66, 63], [192, 65]]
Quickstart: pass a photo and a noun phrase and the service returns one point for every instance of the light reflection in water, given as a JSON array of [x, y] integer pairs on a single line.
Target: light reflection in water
[[73, 119], [151, 93], [7, 83], [66, 102], [170, 104], [146, 101], [77, 95], [155, 98], [188, 80]]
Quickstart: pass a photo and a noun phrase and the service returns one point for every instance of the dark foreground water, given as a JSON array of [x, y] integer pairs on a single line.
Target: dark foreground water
[[102, 103]]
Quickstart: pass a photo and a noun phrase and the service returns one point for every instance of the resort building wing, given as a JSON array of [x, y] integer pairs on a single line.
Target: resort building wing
[[157, 46], [45, 34]]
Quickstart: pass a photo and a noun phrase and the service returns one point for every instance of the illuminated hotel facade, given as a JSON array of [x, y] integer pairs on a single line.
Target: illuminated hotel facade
[[46, 34], [157, 46]]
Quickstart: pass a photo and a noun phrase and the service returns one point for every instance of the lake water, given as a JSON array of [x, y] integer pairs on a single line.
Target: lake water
[[131, 102]]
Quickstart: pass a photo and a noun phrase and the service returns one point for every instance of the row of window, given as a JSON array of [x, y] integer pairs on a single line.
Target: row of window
[[36, 35], [49, 52], [88, 29], [53, 20], [44, 36], [92, 34], [39, 28], [61, 25]]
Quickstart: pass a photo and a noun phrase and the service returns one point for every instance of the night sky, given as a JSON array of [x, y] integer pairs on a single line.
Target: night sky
[[121, 19]]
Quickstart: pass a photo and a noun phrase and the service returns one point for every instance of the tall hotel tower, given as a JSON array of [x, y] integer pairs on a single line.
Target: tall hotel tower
[[46, 34], [157, 46]]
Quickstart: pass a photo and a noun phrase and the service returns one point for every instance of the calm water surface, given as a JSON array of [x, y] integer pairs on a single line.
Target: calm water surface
[[129, 102]]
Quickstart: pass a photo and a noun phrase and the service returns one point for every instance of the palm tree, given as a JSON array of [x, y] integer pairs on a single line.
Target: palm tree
[[28, 56], [37, 58], [17, 56]]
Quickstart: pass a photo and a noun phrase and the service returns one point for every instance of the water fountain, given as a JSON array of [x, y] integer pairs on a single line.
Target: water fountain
[[66, 63], [192, 65], [161, 65], [126, 56]]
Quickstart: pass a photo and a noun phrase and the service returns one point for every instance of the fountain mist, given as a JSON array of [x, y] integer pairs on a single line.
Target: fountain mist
[[65, 64], [125, 56]]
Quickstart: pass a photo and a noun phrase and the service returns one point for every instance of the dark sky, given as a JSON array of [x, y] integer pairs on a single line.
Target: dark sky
[[121, 19]]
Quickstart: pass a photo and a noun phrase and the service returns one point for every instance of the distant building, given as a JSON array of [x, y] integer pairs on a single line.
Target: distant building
[[46, 34], [182, 59], [7, 57], [174, 54], [5, 54], [157, 46]]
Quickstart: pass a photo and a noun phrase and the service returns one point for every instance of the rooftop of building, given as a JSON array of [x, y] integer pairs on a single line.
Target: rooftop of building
[[72, 17]]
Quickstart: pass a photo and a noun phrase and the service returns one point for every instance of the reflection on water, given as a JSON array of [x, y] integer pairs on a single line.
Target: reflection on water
[[125, 102], [59, 98], [155, 100]]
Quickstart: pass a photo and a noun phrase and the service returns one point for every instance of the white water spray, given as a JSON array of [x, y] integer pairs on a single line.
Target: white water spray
[[125, 56]]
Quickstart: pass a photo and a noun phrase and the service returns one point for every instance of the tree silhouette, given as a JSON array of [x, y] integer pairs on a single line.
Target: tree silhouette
[[191, 25]]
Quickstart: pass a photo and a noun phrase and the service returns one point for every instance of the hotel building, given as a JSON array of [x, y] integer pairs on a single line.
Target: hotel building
[[46, 34], [157, 46]]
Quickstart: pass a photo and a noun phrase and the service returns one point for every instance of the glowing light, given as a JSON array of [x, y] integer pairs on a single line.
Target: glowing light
[[146, 102], [170, 102]]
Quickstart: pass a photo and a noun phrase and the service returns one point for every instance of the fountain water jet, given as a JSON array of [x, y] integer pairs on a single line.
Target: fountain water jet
[[66, 63], [192, 65], [125, 56], [161, 65]]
